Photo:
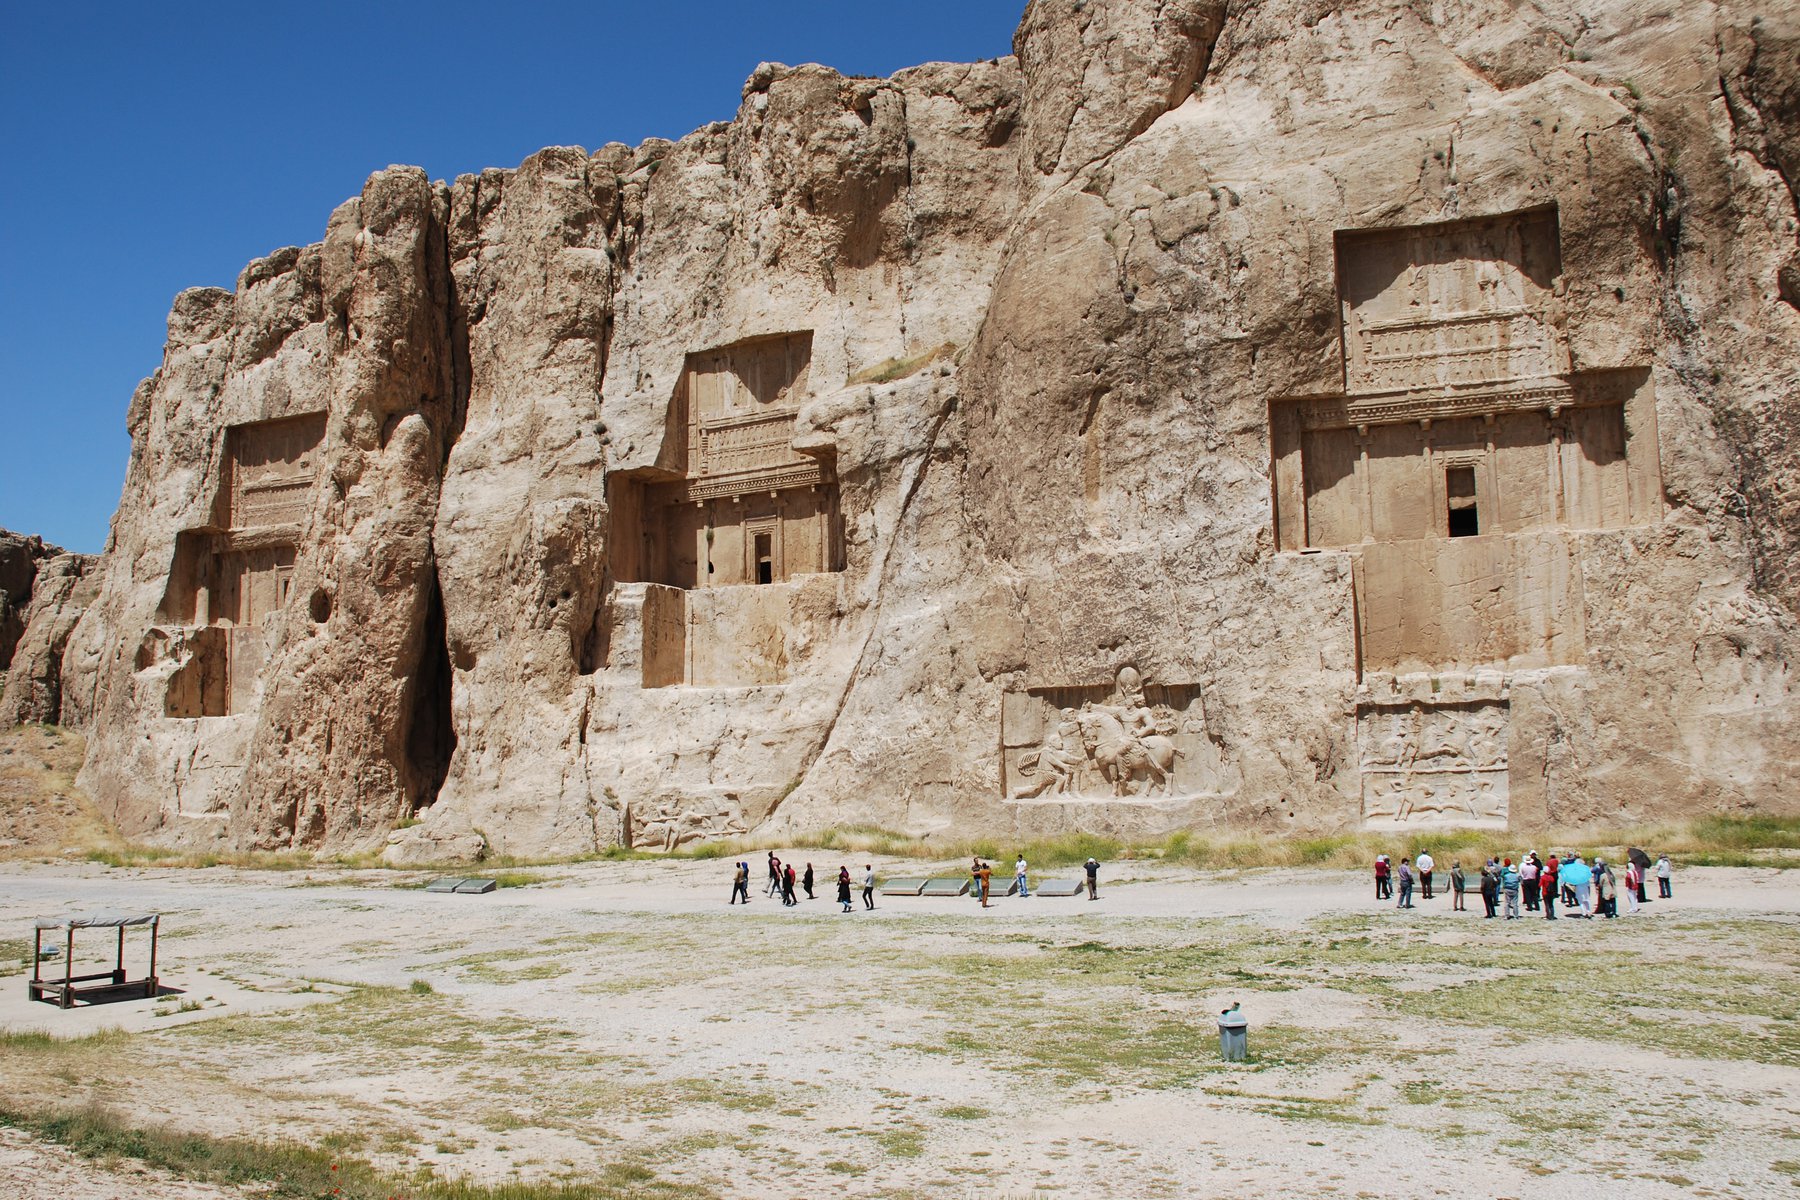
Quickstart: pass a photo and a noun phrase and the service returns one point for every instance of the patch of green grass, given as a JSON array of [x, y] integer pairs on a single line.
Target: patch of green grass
[[420, 987], [287, 1169], [135, 855], [905, 1142], [35, 1042], [964, 1112], [15, 955]]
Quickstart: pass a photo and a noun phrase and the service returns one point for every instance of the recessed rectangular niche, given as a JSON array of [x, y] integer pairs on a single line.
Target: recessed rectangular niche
[[226, 581], [738, 505]]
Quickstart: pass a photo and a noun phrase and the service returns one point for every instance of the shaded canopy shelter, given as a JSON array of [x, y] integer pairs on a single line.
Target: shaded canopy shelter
[[65, 991]]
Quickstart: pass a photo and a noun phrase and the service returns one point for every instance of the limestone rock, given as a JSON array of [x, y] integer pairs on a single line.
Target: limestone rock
[[1300, 416], [65, 586], [21, 555]]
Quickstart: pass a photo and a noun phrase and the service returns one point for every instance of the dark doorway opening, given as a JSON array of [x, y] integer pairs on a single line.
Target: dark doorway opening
[[765, 558], [1459, 490]]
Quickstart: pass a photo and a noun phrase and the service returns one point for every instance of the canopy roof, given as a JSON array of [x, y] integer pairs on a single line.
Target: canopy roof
[[99, 920]]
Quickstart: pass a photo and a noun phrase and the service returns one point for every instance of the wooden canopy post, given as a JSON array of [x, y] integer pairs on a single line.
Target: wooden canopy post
[[37, 956], [68, 992], [119, 962], [151, 988]]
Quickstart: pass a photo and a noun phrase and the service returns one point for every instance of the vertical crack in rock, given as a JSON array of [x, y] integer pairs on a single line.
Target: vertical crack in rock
[[858, 672], [431, 731]]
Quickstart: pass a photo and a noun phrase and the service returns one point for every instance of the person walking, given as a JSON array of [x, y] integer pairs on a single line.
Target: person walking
[[740, 883], [787, 886], [774, 875], [1528, 877], [1092, 866], [986, 875], [1606, 886], [1509, 884], [1634, 880], [1547, 888], [806, 881], [1019, 874], [1458, 880], [1424, 864], [844, 887], [868, 885], [1383, 889], [1664, 878], [1490, 888], [1406, 884]]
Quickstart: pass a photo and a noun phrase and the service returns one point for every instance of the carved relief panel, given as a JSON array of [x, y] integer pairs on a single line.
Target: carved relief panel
[[1431, 763], [271, 465], [1454, 305], [1120, 741]]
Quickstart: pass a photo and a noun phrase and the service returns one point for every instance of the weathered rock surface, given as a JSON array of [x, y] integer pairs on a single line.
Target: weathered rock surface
[[21, 555], [32, 690], [1294, 416]]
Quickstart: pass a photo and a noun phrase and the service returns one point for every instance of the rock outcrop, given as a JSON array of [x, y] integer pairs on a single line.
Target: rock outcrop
[[32, 690], [1297, 416], [21, 555]]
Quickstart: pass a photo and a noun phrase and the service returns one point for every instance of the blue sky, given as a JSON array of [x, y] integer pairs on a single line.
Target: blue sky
[[148, 148]]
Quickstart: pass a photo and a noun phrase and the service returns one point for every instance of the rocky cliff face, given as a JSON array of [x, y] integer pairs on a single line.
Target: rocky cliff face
[[20, 557], [1299, 416], [31, 691]]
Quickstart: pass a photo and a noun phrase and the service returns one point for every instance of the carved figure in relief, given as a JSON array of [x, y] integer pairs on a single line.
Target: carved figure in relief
[[669, 827], [1429, 796], [1127, 739], [1056, 761], [1383, 798], [1449, 740]]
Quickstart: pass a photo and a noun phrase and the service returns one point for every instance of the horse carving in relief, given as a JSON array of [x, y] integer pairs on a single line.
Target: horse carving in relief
[[1125, 759]]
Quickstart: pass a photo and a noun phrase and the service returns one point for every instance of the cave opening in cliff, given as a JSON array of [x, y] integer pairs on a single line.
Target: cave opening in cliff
[[431, 733]]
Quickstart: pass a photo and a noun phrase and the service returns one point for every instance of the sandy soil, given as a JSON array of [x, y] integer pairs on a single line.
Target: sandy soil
[[620, 1014]]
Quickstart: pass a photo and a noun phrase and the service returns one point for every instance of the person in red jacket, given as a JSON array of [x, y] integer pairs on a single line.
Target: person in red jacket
[[1547, 888], [1383, 890]]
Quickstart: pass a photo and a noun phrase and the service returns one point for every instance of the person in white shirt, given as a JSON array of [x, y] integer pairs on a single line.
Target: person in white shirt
[[1423, 865], [868, 885], [1663, 872], [1019, 870]]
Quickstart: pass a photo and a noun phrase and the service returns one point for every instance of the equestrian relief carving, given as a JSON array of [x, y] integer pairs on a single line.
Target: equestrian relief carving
[[1132, 741]]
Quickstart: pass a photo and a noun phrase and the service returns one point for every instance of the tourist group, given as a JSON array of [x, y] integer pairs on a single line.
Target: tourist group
[[1584, 889], [783, 882]]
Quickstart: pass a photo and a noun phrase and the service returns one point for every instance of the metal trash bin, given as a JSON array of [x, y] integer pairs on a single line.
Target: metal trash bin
[[1234, 1028]]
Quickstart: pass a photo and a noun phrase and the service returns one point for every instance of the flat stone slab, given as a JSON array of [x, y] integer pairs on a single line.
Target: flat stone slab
[[945, 887], [475, 887], [1058, 887], [444, 885], [1003, 887], [903, 887]]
